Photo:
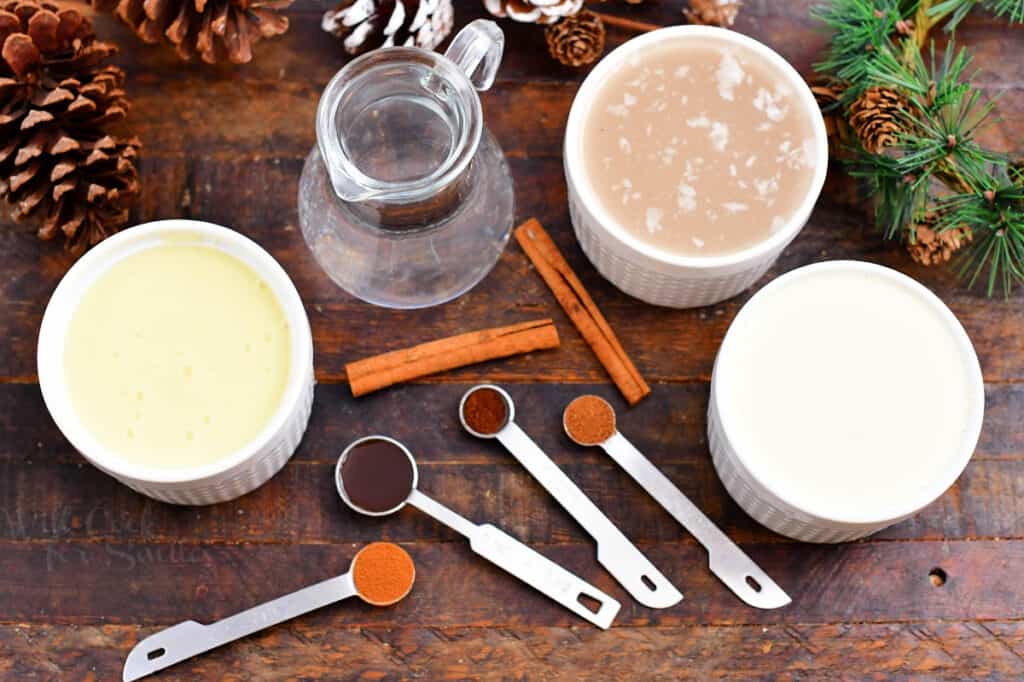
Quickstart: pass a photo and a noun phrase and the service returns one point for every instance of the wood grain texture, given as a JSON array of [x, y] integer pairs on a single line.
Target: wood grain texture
[[325, 646], [87, 567]]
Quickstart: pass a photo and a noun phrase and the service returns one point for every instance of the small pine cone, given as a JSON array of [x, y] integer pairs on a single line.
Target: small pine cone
[[577, 40], [365, 25], [216, 30], [713, 12], [58, 164], [874, 117], [827, 94], [931, 247], [533, 11]]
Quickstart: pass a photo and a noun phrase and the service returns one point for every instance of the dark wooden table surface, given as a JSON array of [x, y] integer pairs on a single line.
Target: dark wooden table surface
[[87, 567]]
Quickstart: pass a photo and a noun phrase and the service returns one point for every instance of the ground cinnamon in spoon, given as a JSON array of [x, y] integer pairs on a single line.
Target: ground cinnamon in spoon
[[589, 420], [383, 573], [485, 411]]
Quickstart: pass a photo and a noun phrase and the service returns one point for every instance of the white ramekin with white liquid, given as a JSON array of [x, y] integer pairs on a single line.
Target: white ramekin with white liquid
[[845, 397]]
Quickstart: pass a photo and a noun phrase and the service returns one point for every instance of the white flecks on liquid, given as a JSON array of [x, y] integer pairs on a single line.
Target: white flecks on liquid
[[652, 218], [686, 198], [719, 135], [708, 141], [730, 74]]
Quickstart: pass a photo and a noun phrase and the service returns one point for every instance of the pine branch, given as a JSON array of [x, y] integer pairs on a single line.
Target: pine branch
[[954, 11], [917, 119]]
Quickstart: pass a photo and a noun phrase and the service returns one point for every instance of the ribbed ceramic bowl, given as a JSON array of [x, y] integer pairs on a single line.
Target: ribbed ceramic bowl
[[238, 472], [772, 508], [639, 269]]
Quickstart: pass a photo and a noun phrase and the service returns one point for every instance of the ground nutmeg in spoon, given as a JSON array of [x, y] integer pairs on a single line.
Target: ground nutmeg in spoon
[[589, 420]]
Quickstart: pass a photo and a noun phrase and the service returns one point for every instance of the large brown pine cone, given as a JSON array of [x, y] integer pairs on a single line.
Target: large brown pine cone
[[216, 30], [365, 25], [533, 11], [58, 164]]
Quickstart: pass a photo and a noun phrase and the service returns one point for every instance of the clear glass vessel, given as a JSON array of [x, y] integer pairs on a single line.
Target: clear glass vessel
[[407, 200]]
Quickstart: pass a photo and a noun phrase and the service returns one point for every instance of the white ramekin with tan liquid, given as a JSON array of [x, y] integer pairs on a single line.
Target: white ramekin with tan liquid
[[638, 265]]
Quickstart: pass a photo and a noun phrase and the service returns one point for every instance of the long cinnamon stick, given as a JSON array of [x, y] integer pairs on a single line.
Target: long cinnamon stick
[[581, 309], [372, 374]]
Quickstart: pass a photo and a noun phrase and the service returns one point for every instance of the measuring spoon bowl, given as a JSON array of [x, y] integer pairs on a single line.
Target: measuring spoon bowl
[[339, 480], [510, 410]]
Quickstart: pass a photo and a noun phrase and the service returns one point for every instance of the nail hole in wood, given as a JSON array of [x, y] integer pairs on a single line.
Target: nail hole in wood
[[648, 583], [589, 603], [754, 585], [937, 576], [156, 653]]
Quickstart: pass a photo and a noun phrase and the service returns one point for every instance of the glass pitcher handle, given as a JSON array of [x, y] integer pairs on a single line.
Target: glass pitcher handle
[[477, 50]]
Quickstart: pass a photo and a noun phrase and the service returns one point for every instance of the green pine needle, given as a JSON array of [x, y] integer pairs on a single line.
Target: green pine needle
[[954, 11], [994, 211]]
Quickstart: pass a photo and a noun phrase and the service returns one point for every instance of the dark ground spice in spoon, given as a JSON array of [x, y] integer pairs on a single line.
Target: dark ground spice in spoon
[[485, 411]]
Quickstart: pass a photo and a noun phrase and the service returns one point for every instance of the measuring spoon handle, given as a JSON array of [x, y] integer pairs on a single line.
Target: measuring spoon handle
[[185, 640], [533, 568], [615, 551], [726, 560], [544, 575]]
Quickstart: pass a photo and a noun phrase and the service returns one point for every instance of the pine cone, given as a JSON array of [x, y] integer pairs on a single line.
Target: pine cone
[[827, 94], [365, 25], [874, 117], [533, 11], [931, 247], [216, 30], [58, 164], [713, 12], [577, 40]]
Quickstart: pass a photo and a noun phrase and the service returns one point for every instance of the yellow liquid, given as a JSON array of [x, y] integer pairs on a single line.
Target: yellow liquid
[[177, 356]]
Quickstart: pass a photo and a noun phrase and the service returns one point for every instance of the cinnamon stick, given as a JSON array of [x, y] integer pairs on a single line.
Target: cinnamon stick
[[374, 373], [626, 23], [581, 309]]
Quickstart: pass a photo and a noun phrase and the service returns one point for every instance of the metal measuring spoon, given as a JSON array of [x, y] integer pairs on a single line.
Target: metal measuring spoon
[[727, 561], [185, 640], [493, 544], [614, 550]]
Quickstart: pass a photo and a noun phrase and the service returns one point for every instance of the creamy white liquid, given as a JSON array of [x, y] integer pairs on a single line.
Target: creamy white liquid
[[177, 356], [845, 392]]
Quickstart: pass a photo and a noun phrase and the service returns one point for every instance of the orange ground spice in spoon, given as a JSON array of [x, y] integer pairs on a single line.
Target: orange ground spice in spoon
[[383, 573]]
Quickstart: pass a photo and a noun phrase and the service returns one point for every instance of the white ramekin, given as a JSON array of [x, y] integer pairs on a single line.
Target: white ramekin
[[241, 471], [641, 270], [768, 506]]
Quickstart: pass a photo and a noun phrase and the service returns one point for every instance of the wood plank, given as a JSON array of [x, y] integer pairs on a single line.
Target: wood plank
[[674, 346], [280, 88], [92, 583], [323, 645], [48, 492], [56, 502]]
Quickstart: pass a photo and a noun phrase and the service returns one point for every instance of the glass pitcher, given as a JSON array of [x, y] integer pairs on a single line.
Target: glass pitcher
[[407, 201]]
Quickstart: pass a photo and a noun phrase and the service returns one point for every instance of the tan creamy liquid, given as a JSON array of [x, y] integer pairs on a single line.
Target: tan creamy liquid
[[699, 148], [177, 356]]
